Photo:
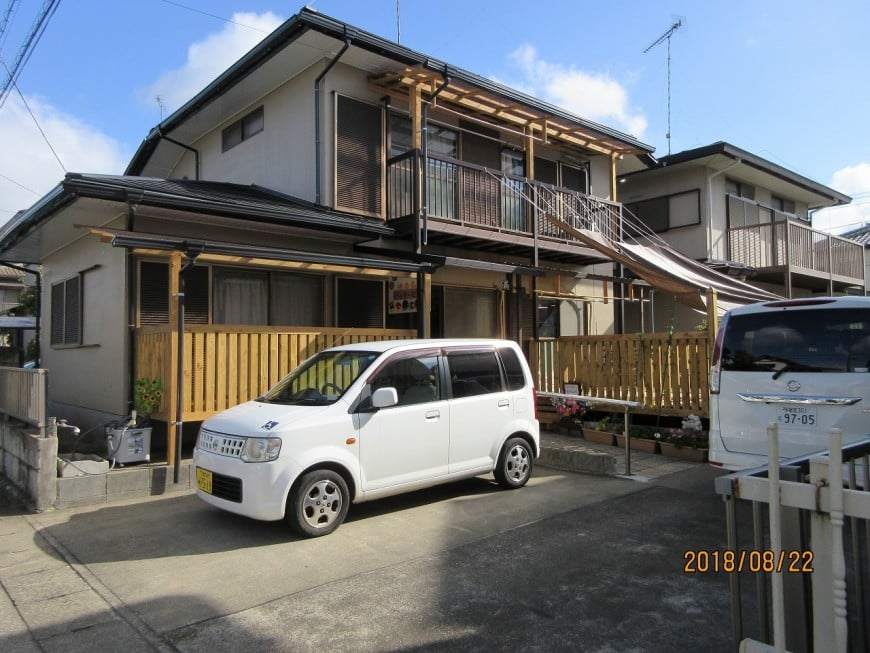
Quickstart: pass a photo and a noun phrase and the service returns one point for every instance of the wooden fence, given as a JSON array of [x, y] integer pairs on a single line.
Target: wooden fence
[[225, 367], [668, 374]]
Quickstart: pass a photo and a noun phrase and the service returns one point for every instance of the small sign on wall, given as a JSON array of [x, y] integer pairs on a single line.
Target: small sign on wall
[[572, 389], [402, 296]]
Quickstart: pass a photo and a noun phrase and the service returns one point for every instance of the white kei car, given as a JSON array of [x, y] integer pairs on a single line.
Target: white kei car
[[364, 421]]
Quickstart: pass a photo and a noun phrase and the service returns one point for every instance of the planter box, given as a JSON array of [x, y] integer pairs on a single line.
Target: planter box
[[598, 437], [691, 454], [638, 444]]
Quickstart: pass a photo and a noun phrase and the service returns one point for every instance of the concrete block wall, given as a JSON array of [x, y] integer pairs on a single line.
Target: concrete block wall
[[29, 464], [123, 483]]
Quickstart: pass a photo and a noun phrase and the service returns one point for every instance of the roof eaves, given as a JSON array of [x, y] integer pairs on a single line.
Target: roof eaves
[[757, 162], [27, 221]]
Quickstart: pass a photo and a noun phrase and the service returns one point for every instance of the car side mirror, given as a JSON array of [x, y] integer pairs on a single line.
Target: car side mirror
[[384, 398]]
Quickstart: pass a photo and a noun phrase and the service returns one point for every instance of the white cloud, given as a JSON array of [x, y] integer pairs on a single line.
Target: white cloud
[[594, 97], [28, 169], [208, 58], [854, 181]]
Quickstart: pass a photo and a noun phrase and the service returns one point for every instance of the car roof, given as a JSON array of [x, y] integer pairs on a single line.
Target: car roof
[[846, 301], [381, 346]]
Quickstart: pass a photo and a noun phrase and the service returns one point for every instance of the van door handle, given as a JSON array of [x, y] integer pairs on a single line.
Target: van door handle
[[504, 403], [433, 414]]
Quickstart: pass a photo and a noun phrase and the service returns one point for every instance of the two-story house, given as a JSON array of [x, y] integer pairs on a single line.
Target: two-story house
[[743, 215], [329, 185]]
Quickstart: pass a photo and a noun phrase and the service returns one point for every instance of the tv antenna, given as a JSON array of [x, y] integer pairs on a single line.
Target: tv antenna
[[667, 37]]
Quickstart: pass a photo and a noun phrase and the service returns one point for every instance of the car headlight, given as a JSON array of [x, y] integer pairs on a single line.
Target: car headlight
[[261, 450]]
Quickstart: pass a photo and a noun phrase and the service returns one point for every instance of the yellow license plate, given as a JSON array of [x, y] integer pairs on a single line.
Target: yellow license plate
[[203, 479]]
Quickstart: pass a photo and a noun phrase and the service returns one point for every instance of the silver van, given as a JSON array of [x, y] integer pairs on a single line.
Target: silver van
[[801, 363]]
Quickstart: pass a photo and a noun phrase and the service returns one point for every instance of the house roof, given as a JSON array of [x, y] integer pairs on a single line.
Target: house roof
[[739, 162], [21, 239], [859, 235], [274, 60]]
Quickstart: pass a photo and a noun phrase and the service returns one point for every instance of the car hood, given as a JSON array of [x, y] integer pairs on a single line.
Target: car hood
[[256, 418]]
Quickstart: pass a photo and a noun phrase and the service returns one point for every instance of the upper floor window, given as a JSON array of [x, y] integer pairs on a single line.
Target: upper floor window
[[243, 129], [740, 189], [781, 204], [669, 211]]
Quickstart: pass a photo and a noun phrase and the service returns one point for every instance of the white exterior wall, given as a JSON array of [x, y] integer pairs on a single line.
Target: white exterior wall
[[89, 383]]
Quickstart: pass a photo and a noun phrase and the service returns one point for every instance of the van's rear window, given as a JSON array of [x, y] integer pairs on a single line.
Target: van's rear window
[[798, 340]]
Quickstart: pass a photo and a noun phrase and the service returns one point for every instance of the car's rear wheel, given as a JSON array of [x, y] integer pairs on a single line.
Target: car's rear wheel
[[318, 503], [515, 463]]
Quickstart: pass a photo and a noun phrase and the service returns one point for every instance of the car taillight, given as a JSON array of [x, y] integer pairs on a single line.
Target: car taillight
[[716, 363], [535, 401]]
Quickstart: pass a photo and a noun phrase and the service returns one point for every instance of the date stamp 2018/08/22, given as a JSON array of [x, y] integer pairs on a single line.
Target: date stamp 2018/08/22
[[703, 561]]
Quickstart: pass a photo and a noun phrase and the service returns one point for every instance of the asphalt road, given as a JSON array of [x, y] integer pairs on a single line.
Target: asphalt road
[[571, 562]]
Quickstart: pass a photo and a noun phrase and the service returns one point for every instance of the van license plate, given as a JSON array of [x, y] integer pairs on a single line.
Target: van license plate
[[796, 416], [203, 479]]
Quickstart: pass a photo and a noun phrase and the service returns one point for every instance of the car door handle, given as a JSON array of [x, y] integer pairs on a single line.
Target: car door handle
[[433, 414], [504, 403]]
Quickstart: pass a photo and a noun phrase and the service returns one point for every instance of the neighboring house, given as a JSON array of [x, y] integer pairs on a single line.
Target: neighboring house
[[11, 287], [862, 235], [743, 215]]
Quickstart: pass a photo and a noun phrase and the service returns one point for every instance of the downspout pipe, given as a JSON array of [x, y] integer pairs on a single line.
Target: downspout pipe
[[423, 239], [38, 315], [191, 252], [318, 156], [131, 304], [186, 147]]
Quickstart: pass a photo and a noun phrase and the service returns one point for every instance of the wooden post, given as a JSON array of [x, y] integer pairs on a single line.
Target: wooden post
[[712, 317], [170, 378]]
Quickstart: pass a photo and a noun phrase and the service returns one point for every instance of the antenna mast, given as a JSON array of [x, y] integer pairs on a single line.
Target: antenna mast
[[667, 37]]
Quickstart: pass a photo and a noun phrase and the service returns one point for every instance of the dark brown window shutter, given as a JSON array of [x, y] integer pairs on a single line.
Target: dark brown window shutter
[[154, 294], [358, 156]]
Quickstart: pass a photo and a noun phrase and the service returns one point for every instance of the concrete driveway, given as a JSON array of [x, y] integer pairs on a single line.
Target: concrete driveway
[[571, 562]]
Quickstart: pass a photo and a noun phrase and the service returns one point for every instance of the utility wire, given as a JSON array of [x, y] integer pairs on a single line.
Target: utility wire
[[28, 46], [35, 121], [205, 13], [12, 181]]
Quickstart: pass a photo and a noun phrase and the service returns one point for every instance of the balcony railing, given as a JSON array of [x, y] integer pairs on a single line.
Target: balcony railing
[[473, 196], [777, 241]]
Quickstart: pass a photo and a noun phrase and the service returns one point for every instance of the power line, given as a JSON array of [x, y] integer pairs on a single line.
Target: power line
[[205, 13], [28, 46]]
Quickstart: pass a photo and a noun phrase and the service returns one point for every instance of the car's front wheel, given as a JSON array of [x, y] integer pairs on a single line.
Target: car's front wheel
[[515, 463], [318, 503]]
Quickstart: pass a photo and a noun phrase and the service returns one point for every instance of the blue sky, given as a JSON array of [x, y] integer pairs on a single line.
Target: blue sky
[[784, 80]]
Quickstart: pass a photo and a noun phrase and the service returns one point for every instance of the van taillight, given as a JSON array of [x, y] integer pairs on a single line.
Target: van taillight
[[535, 401], [716, 363]]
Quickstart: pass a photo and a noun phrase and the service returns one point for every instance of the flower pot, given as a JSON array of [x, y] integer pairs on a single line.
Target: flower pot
[[598, 437], [690, 454], [638, 444]]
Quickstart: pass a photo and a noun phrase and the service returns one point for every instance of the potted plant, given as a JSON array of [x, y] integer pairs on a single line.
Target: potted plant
[[688, 442], [147, 394], [570, 413], [601, 434]]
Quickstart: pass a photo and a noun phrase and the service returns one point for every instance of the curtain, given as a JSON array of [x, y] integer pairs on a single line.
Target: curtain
[[241, 297]]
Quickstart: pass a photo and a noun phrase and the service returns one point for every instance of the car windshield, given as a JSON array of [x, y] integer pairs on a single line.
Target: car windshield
[[320, 380]]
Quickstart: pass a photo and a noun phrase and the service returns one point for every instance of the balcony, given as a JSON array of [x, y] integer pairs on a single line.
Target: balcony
[[485, 209], [776, 244]]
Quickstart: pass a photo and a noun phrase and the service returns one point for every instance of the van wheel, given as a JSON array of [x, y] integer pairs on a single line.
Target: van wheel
[[514, 464], [318, 503]]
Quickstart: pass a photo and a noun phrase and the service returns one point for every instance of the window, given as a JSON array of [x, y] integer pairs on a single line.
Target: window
[[360, 303], [670, 211], [548, 318], [243, 129], [358, 156], [66, 312], [513, 367], [782, 205], [401, 139], [415, 378], [572, 177], [734, 187], [474, 373], [470, 313], [239, 296]]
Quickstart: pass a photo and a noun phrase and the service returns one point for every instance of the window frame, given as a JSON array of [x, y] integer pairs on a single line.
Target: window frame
[[60, 338], [244, 128]]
